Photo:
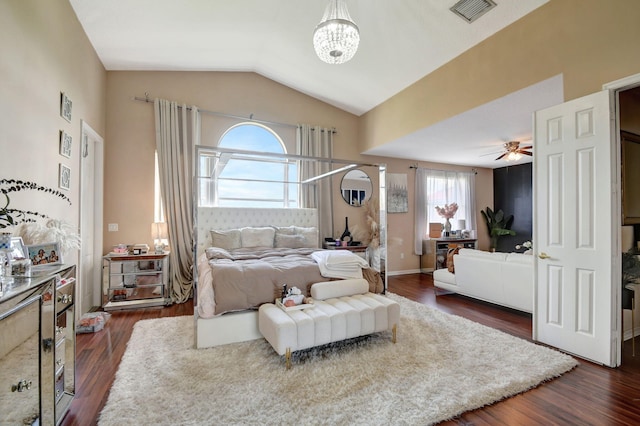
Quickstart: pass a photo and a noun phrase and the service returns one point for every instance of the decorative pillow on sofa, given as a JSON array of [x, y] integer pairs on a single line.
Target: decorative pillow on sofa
[[228, 240], [257, 237], [450, 253]]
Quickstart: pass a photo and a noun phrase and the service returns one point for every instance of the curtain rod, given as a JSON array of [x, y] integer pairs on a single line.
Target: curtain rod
[[222, 114]]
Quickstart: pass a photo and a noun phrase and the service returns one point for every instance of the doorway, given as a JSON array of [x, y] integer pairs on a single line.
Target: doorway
[[91, 196], [628, 103]]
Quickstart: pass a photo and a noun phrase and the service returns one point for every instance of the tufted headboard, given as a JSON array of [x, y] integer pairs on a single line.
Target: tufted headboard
[[237, 217]]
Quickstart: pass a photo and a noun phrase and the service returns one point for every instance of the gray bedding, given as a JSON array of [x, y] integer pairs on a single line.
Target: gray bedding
[[243, 278], [247, 278]]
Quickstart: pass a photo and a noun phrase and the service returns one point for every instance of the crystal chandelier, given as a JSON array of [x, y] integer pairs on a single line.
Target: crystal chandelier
[[336, 37]]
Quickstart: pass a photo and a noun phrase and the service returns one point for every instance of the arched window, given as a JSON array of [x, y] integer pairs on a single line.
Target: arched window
[[250, 180]]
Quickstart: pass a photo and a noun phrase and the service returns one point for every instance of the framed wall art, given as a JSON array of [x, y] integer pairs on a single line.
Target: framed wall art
[[45, 254], [64, 177], [397, 193], [65, 144], [65, 106]]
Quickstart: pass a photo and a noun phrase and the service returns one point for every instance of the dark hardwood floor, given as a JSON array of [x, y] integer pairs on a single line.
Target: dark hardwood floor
[[588, 395]]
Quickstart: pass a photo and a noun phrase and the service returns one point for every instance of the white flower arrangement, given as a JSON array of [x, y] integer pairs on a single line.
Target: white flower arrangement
[[528, 245]]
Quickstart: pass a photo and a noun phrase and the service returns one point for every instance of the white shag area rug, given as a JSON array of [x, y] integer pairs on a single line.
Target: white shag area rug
[[441, 366]]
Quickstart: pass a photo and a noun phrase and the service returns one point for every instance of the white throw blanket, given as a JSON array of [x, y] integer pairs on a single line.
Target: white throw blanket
[[339, 264]]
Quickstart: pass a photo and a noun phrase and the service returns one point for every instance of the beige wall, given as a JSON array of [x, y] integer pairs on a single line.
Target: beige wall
[[131, 132], [591, 42], [401, 256], [131, 144], [45, 52]]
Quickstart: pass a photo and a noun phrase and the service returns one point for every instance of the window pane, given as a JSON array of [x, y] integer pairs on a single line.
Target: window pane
[[250, 180]]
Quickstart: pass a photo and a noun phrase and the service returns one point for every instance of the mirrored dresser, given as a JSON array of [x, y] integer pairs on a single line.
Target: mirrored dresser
[[37, 346]]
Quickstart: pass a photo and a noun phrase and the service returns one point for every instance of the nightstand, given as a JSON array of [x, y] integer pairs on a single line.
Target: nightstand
[[359, 250], [136, 281]]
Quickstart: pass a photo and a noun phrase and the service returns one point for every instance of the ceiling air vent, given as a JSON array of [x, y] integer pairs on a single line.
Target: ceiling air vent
[[470, 10]]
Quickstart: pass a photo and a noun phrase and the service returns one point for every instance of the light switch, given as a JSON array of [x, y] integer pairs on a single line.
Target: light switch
[[113, 227]]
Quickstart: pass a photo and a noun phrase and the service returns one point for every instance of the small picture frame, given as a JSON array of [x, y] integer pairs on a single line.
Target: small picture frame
[[17, 248], [45, 254], [64, 177], [65, 144], [65, 106]]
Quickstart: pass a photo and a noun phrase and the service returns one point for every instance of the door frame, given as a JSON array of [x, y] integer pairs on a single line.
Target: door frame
[[614, 88], [98, 191]]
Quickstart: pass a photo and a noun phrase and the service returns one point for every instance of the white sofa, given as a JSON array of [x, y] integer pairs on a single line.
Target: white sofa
[[502, 278]]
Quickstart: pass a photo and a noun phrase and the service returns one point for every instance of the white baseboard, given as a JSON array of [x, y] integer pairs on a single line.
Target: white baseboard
[[628, 334], [406, 272]]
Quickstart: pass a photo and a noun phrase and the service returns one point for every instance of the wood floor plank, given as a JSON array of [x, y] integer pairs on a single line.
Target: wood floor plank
[[588, 395]]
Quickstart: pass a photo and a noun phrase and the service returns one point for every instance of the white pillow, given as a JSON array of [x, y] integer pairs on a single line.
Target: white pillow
[[228, 240], [331, 289], [285, 230], [257, 237], [218, 253], [289, 241], [310, 235]]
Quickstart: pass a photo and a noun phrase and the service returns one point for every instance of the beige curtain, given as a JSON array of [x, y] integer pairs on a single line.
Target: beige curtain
[[177, 132], [316, 142]]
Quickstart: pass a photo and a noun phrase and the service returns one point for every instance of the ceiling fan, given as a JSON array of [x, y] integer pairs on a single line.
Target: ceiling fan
[[513, 151]]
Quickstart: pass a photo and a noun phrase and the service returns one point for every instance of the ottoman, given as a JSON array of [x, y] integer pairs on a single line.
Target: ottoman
[[342, 310]]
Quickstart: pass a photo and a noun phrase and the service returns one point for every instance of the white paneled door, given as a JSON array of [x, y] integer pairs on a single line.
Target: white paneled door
[[91, 194], [575, 228]]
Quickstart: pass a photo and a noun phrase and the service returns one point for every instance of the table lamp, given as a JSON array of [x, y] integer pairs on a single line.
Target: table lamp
[[160, 234]]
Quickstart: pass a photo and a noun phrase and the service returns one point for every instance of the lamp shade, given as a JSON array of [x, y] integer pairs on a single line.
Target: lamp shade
[[159, 231], [336, 37], [461, 224]]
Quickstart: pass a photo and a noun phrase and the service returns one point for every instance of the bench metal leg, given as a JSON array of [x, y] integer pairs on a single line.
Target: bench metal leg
[[287, 358]]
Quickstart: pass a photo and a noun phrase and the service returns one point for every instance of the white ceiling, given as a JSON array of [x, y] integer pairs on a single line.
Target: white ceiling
[[401, 42], [476, 137]]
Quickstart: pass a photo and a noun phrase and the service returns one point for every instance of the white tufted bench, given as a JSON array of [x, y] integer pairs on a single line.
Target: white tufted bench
[[342, 310]]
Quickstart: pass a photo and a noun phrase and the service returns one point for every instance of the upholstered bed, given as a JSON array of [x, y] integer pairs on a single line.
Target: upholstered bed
[[244, 256]]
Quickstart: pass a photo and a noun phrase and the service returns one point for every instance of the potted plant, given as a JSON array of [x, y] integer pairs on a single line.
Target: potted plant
[[497, 224]]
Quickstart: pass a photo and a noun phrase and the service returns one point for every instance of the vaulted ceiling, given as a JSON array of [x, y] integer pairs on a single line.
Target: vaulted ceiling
[[401, 42]]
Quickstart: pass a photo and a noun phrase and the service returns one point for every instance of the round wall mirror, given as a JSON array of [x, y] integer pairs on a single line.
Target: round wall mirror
[[355, 187]]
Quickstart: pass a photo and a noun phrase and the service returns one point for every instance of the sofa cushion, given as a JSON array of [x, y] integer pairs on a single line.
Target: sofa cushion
[[496, 256], [444, 276], [520, 258]]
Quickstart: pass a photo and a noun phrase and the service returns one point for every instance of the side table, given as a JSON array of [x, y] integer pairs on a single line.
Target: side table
[[136, 281]]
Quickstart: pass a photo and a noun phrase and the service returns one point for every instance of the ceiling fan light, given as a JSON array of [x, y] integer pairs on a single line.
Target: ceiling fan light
[[513, 156], [336, 38]]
